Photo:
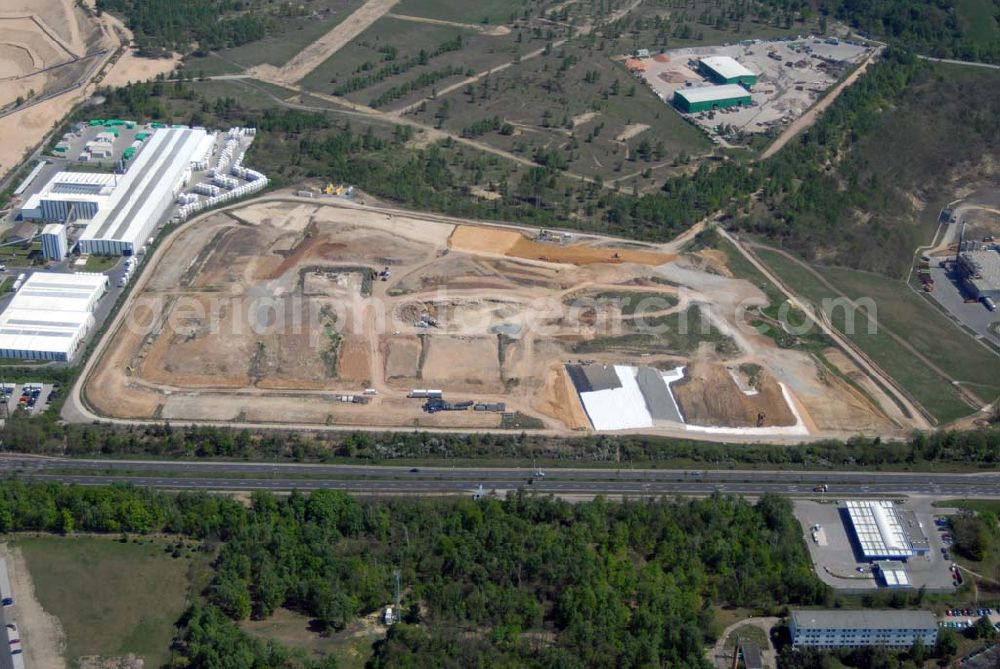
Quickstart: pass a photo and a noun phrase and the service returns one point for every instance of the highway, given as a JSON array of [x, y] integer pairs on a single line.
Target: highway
[[394, 480]]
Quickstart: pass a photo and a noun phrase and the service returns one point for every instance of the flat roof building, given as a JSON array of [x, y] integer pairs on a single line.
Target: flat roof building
[[853, 629], [144, 192], [980, 271], [892, 574], [726, 70], [71, 196], [50, 315], [54, 245], [706, 98], [885, 532]]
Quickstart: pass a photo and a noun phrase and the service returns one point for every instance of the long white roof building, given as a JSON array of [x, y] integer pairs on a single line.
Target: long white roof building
[[145, 191], [50, 315]]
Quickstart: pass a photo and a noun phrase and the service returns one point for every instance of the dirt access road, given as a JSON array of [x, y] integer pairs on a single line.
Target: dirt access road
[[899, 397], [316, 53], [41, 633], [807, 119]]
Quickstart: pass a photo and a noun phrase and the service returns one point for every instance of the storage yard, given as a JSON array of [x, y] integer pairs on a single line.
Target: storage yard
[[307, 311], [152, 173], [784, 78]]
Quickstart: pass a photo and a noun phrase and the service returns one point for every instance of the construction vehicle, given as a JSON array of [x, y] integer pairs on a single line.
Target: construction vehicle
[[329, 189]]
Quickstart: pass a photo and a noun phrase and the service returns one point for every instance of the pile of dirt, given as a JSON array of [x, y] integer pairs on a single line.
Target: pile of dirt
[[709, 396]]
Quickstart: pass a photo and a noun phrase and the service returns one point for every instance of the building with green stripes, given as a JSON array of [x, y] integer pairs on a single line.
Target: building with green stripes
[[726, 70], [707, 98]]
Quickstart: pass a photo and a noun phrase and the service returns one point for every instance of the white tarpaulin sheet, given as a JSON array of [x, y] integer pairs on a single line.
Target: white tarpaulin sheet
[[618, 408]]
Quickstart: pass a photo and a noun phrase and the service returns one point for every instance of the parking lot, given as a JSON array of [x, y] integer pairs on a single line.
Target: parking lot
[[985, 323], [839, 565], [792, 75], [33, 398]]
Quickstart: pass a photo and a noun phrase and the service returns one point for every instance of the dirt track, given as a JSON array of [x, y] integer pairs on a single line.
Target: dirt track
[[316, 53], [41, 633]]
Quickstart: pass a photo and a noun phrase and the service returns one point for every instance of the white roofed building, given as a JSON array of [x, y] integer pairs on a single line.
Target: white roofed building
[[50, 315], [883, 532], [145, 192]]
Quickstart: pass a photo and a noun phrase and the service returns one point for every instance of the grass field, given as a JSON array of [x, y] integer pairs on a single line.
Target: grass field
[[111, 598], [977, 20], [906, 314], [352, 648], [364, 56]]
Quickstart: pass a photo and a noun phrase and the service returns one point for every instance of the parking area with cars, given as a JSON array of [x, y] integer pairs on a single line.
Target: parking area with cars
[[33, 398]]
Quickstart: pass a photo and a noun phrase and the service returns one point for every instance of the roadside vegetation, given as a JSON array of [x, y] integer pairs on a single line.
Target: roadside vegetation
[[482, 581]]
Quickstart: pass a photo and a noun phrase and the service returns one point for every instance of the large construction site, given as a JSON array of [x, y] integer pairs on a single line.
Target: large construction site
[[321, 312]]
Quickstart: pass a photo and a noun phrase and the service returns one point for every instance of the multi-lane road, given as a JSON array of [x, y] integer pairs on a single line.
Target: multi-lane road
[[231, 476]]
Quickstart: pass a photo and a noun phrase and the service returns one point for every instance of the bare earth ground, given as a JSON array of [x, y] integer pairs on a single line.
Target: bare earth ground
[[40, 632], [313, 55], [131, 68], [78, 35], [258, 314]]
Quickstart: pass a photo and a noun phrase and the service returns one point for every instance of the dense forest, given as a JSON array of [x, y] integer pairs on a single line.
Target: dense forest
[[178, 24], [523, 581]]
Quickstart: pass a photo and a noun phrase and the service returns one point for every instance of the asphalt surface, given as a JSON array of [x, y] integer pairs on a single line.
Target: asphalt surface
[[447, 480], [6, 659]]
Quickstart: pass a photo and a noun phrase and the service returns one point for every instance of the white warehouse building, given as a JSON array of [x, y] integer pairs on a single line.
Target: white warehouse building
[[145, 192], [884, 531], [50, 315], [54, 245], [71, 196]]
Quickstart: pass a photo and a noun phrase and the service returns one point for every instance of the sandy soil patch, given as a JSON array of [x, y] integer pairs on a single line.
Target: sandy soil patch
[[708, 396], [495, 31], [586, 117], [76, 33], [403, 359], [631, 131], [560, 400], [463, 363], [41, 633], [354, 363], [484, 239], [131, 68], [316, 53]]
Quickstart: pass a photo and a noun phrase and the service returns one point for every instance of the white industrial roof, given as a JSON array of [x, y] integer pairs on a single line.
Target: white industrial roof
[[893, 574], [878, 528], [50, 312], [58, 292], [75, 186], [712, 93], [142, 190], [53, 229], [727, 67]]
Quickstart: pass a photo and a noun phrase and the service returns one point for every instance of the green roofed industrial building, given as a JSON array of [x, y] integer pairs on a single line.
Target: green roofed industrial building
[[706, 98], [726, 70]]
